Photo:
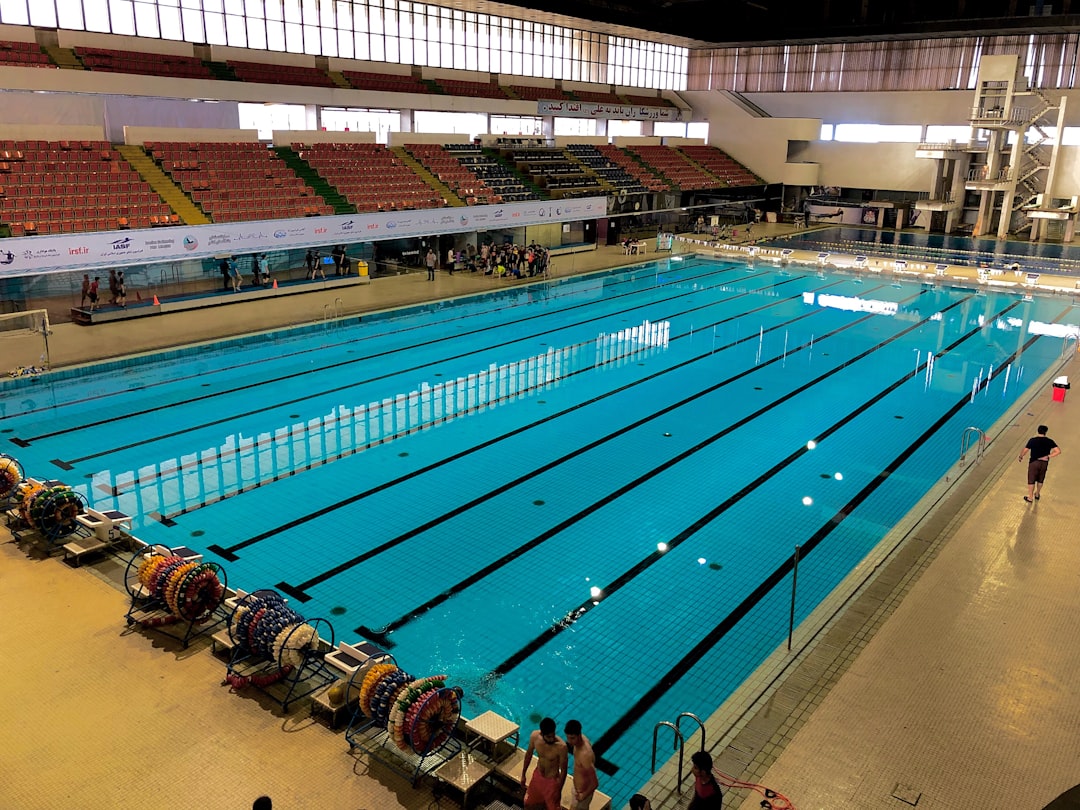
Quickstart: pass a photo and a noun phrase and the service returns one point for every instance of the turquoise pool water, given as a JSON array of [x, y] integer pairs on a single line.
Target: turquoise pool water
[[485, 484], [1038, 257]]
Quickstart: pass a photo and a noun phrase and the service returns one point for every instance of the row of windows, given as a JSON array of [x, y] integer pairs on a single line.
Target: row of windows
[[906, 133], [1050, 61], [395, 31], [267, 117]]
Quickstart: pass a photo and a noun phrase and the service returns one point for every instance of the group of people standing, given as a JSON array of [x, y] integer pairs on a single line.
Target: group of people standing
[[492, 260], [544, 790], [313, 262], [117, 289]]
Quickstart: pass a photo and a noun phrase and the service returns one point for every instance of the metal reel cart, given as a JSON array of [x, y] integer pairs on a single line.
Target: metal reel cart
[[273, 644], [173, 587]]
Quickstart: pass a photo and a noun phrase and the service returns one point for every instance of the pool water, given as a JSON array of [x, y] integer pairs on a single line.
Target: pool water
[[579, 498], [1040, 257]]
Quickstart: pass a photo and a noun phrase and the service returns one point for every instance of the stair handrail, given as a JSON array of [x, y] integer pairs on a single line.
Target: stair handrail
[[696, 719], [972, 436], [679, 746]]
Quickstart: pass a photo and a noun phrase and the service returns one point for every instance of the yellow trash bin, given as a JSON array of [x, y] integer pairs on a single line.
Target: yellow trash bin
[[361, 268]]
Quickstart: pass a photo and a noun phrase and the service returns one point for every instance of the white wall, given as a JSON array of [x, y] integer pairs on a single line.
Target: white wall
[[140, 135], [287, 137], [72, 39], [403, 138], [337, 63], [17, 33], [891, 166]]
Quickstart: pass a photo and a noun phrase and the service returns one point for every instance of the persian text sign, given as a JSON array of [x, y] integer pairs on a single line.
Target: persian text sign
[[585, 109]]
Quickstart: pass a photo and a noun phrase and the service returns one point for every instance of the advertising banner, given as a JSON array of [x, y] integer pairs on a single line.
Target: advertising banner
[[31, 255], [585, 109]]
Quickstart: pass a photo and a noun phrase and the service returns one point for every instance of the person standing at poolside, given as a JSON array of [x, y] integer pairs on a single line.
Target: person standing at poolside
[[707, 795], [121, 289], [544, 790], [585, 781], [92, 293], [85, 288], [430, 261], [1042, 449]]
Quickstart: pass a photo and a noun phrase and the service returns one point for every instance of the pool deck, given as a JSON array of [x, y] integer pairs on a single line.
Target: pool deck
[[944, 682]]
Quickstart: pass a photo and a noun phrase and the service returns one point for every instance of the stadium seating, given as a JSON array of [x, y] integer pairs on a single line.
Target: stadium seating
[[236, 182], [52, 187], [369, 176], [24, 54], [143, 64]]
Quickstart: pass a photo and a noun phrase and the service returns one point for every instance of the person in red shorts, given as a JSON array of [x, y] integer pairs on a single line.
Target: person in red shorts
[[585, 781], [544, 790]]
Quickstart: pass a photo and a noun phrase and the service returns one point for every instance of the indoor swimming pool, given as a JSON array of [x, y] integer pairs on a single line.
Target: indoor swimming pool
[[579, 498]]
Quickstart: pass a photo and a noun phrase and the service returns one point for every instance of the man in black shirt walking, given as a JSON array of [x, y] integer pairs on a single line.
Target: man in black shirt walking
[[1042, 449]]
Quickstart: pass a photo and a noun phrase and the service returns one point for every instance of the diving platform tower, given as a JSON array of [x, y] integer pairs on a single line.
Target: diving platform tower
[[1010, 162]]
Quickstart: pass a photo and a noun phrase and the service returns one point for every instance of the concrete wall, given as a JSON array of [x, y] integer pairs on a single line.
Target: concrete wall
[[140, 135], [88, 39], [337, 63], [287, 137], [50, 132], [402, 138]]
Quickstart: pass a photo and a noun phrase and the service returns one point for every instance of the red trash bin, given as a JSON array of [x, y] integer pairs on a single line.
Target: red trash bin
[[1059, 391]]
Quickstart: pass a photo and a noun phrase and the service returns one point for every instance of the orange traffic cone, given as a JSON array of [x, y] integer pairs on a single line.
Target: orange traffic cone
[[275, 283], [156, 302]]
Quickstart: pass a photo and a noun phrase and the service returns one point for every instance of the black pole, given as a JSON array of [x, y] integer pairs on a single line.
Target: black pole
[[794, 585]]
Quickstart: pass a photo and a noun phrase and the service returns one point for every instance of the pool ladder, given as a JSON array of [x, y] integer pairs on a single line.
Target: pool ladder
[[679, 741], [972, 438], [332, 312]]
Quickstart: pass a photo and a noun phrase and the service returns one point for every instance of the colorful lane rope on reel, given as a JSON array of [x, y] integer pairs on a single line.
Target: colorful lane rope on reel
[[26, 492], [419, 713], [11, 475], [264, 626], [51, 510], [191, 591]]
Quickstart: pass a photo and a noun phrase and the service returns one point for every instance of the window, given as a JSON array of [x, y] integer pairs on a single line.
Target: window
[[877, 133], [617, 129], [944, 134], [515, 125], [351, 119], [470, 124], [575, 126], [395, 31]]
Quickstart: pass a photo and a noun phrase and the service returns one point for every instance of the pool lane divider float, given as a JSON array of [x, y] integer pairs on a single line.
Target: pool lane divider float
[[167, 588], [407, 722], [49, 508], [272, 643], [11, 475]]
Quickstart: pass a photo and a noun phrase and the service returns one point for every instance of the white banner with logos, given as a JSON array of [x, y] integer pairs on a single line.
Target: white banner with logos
[[586, 109], [29, 255]]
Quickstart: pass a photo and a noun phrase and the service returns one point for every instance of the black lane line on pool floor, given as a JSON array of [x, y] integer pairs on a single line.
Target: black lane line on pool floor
[[344, 363], [357, 383], [228, 342], [230, 552], [381, 635], [296, 435], [669, 679], [299, 591]]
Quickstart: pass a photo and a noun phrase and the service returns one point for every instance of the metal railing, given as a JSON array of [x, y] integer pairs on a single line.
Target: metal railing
[[972, 437], [679, 741]]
